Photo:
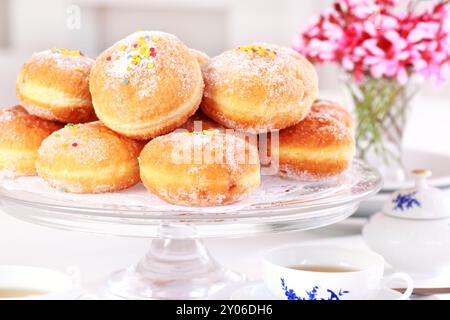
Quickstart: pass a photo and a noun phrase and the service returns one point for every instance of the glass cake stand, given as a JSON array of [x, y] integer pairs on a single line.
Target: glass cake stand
[[177, 265]]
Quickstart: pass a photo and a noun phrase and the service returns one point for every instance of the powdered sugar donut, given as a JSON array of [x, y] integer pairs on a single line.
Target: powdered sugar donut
[[336, 111], [199, 122], [146, 85], [54, 85], [201, 57], [20, 137], [200, 169], [88, 158], [317, 147], [259, 87]]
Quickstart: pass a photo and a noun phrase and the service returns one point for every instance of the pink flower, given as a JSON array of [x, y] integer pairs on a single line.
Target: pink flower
[[423, 31], [368, 38], [386, 3]]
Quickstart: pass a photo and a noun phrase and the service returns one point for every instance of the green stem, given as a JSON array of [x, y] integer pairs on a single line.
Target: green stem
[[381, 106]]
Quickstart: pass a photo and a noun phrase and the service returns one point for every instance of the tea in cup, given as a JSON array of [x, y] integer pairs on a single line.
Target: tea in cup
[[318, 272]]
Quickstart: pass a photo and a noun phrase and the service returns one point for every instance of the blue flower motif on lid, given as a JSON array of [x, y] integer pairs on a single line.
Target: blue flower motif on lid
[[313, 294], [406, 201]]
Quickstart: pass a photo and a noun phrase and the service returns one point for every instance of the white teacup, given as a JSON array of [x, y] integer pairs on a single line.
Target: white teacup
[[356, 274], [36, 283]]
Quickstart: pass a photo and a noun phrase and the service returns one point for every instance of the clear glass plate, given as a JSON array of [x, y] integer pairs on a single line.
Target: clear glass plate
[[277, 202]]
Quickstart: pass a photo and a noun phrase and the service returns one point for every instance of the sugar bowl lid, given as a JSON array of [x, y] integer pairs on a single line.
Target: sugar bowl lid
[[420, 202]]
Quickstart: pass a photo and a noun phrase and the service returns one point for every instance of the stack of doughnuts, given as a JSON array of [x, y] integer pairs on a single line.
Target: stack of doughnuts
[[151, 109]]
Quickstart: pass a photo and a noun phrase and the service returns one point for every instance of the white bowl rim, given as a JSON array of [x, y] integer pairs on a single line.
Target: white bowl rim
[[377, 257], [68, 285]]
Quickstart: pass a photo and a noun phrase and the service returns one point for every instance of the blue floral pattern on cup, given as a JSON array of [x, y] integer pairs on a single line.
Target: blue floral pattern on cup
[[406, 201], [313, 294]]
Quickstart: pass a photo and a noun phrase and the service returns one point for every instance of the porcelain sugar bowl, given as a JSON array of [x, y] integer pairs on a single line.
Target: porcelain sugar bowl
[[413, 230]]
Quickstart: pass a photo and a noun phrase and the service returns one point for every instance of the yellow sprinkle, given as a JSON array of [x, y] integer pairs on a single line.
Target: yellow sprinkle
[[210, 132], [150, 65], [271, 54], [155, 38], [72, 126], [75, 126], [134, 62], [80, 69], [128, 68], [122, 47]]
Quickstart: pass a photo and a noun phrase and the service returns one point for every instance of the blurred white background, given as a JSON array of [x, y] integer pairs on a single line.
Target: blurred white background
[[213, 26]]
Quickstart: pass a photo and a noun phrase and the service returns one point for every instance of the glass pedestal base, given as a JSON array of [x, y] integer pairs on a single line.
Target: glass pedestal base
[[173, 269]]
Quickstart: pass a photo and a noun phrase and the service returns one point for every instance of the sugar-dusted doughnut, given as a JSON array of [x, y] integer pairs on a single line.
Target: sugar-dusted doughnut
[[21, 135], [199, 122], [317, 147], [88, 158], [201, 57], [336, 111], [54, 85], [200, 169], [146, 85], [259, 87]]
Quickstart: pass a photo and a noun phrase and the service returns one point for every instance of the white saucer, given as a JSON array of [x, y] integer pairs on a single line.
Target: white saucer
[[258, 291], [423, 282], [415, 159]]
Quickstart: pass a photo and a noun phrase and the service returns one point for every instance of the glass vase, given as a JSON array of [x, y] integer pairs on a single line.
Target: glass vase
[[381, 107]]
